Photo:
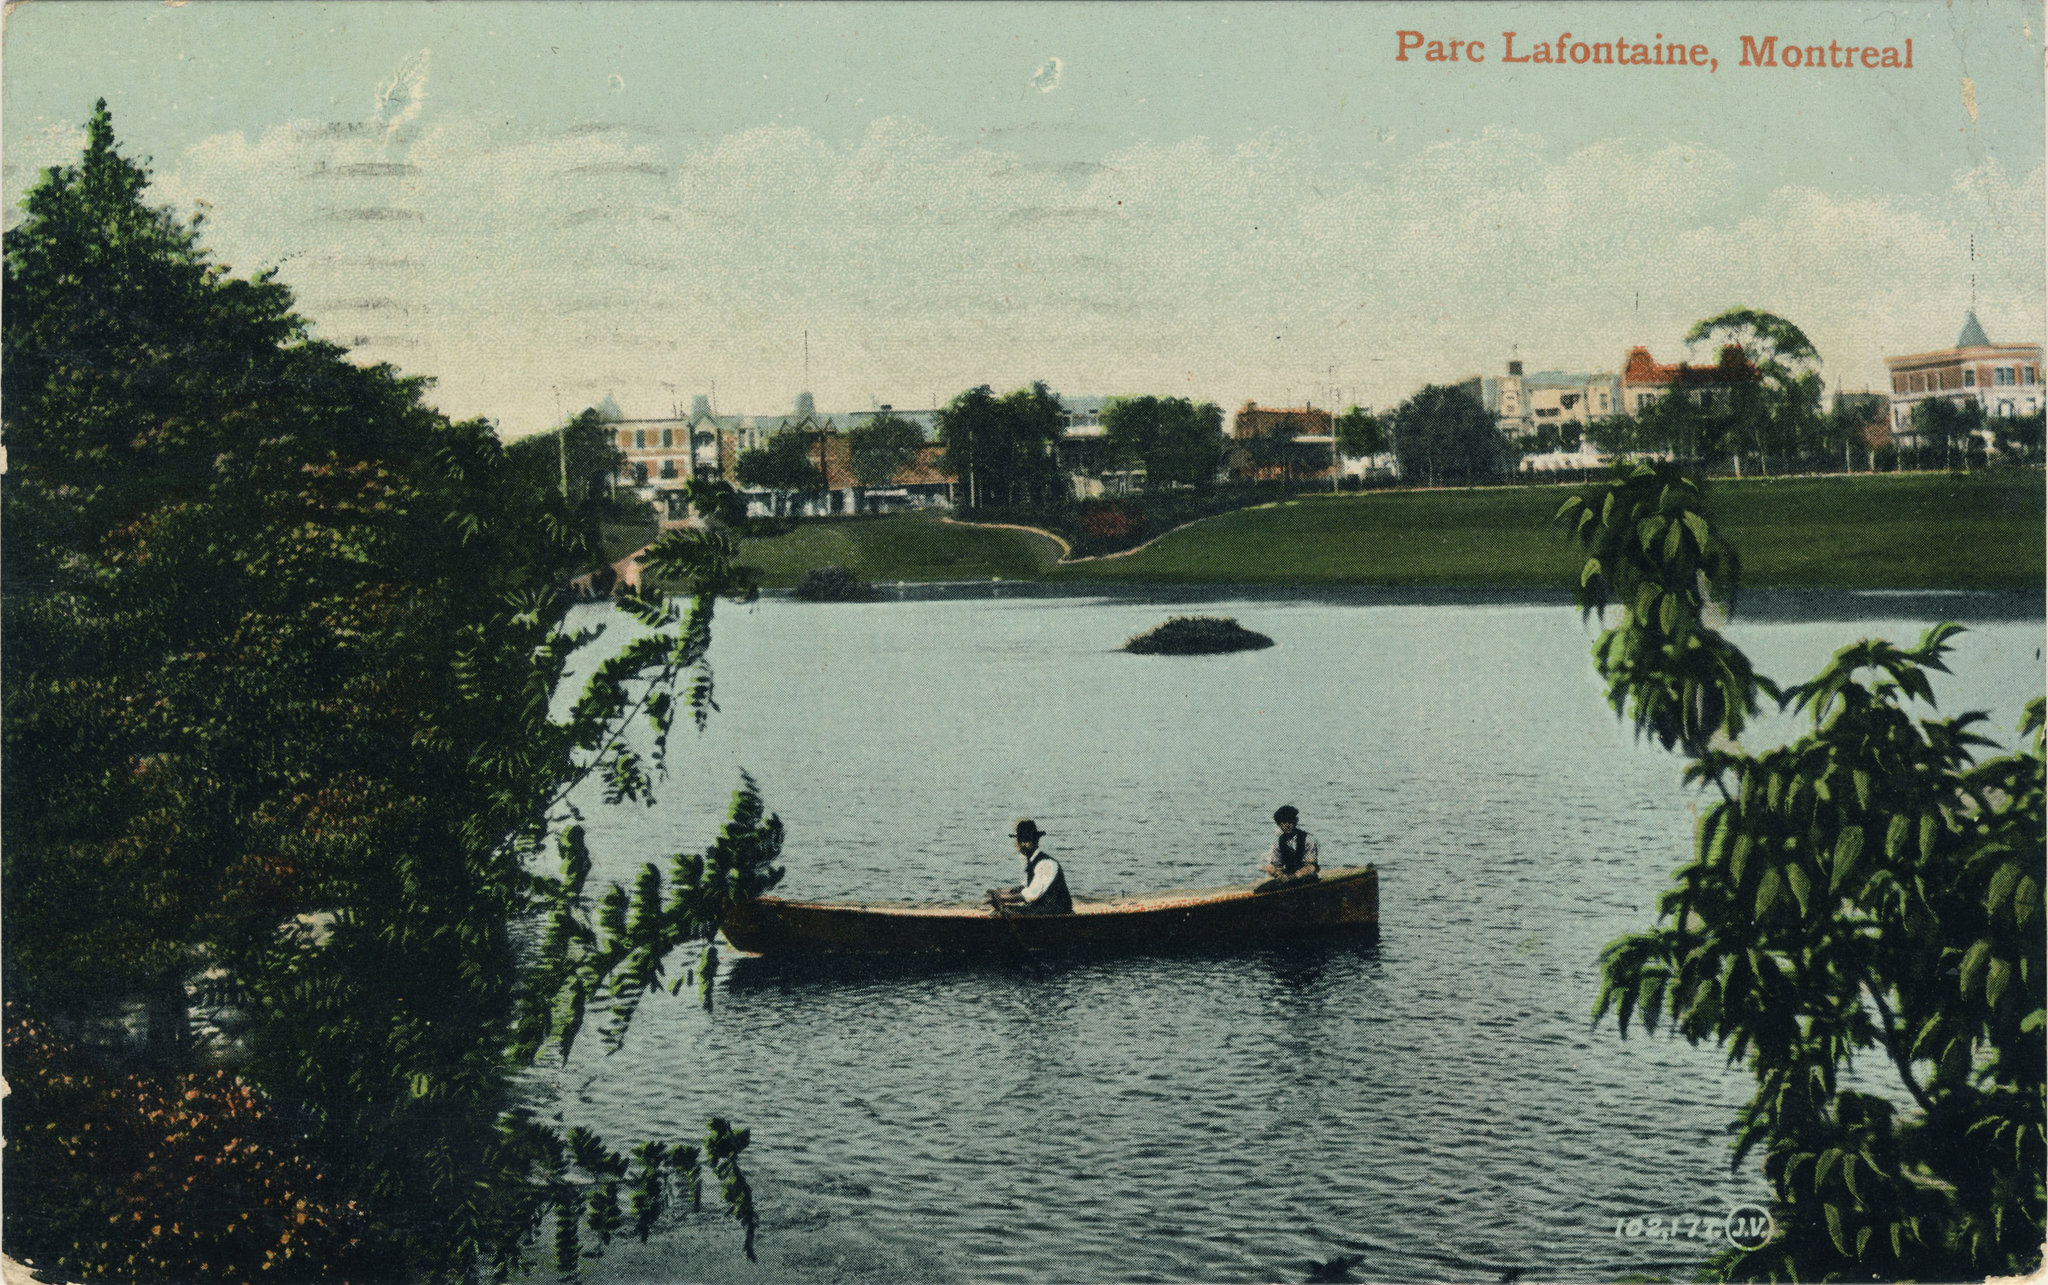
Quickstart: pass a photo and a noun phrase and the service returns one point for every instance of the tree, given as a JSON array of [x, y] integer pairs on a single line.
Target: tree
[[2019, 438], [1779, 413], [1848, 423], [1442, 434], [283, 647], [1361, 434], [1689, 423], [1868, 887], [1947, 429], [578, 460], [1615, 434], [1176, 441], [1275, 447], [882, 448], [784, 463], [1002, 447]]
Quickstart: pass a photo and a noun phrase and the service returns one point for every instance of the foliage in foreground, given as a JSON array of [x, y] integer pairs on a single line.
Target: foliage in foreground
[[1869, 888], [118, 1157], [284, 647]]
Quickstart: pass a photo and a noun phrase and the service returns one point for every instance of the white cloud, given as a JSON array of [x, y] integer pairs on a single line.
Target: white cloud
[[599, 260]]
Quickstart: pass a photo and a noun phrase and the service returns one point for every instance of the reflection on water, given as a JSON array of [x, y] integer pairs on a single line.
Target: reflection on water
[[1437, 1106]]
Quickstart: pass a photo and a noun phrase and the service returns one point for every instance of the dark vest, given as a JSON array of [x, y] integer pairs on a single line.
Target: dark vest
[[1291, 848], [1056, 901]]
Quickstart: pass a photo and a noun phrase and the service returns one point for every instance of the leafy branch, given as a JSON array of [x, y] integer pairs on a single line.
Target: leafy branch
[[1871, 863]]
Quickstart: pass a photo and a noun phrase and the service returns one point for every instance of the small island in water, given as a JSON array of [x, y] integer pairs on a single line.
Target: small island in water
[[1197, 636], [833, 584]]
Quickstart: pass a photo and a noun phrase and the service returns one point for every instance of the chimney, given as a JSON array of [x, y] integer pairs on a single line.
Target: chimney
[[1514, 368], [700, 407]]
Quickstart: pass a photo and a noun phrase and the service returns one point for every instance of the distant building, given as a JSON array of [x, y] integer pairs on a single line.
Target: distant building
[[1255, 454], [1644, 380], [1523, 403], [662, 453], [1084, 451], [2004, 379]]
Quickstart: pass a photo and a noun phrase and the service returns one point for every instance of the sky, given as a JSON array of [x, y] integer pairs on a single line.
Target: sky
[[542, 204]]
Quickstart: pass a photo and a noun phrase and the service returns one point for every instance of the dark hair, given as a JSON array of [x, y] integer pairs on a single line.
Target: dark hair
[[1287, 812]]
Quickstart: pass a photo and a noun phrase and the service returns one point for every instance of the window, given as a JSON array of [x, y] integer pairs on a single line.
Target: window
[[639, 475], [1603, 401], [2002, 376], [2030, 374], [668, 467], [1970, 377], [640, 438], [1899, 382], [667, 439]]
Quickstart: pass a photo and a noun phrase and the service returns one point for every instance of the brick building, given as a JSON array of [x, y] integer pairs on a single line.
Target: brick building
[[2004, 379], [1644, 380], [1269, 443]]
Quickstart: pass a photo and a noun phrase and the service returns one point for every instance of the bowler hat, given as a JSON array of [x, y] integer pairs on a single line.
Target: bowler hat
[[1287, 812], [1026, 828]]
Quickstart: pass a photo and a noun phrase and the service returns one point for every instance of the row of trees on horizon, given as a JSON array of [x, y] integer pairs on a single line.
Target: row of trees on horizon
[[1006, 450]]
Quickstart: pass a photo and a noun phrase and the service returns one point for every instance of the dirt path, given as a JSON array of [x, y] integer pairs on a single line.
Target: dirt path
[[1067, 558]]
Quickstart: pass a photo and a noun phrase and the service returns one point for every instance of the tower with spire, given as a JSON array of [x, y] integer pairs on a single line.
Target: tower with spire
[[2004, 380]]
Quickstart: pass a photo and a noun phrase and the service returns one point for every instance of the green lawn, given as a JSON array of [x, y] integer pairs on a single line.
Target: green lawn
[[622, 538], [1979, 531], [905, 546], [1983, 530]]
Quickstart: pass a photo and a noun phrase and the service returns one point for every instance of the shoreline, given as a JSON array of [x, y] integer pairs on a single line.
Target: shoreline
[[1763, 604]]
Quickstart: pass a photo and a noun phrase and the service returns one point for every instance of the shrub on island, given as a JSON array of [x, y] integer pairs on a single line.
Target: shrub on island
[[1197, 636], [833, 584]]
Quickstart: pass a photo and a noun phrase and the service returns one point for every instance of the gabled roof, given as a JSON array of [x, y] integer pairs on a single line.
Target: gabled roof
[[1733, 368]]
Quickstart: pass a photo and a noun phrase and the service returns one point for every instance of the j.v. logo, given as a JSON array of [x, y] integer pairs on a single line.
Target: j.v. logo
[[1750, 1227]]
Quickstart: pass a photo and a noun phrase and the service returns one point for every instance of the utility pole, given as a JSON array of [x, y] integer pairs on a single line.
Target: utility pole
[[561, 446], [1336, 463]]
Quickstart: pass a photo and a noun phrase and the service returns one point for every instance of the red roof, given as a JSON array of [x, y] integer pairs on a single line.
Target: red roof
[[1733, 368]]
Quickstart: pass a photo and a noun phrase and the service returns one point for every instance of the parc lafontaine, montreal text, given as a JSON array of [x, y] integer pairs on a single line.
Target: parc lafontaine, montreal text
[[1624, 51]]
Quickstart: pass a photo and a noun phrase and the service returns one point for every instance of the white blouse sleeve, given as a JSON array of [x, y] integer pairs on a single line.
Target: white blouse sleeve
[[1042, 876]]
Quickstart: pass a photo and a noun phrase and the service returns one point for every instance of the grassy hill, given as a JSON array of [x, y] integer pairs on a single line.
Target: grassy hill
[[1983, 530], [904, 546]]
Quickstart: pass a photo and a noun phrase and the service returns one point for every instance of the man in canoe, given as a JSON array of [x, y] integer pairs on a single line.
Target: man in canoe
[[1044, 890], [1293, 857]]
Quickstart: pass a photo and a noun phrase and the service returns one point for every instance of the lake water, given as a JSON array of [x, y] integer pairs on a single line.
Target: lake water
[[1437, 1105]]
